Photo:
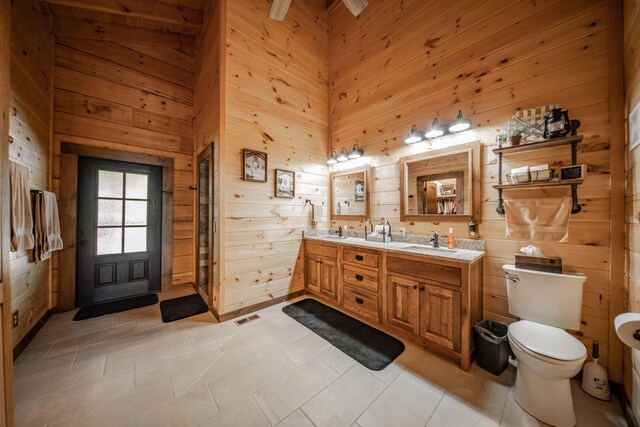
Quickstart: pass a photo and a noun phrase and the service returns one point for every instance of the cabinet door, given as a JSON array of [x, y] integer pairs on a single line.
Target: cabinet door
[[329, 279], [402, 303], [312, 273], [440, 315]]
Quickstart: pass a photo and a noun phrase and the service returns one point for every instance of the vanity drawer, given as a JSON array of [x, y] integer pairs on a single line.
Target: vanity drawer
[[322, 250], [360, 257], [426, 270], [362, 278], [361, 302]]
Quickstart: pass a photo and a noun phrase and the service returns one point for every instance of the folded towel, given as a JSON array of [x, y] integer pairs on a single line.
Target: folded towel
[[538, 219], [539, 168], [47, 226], [21, 216]]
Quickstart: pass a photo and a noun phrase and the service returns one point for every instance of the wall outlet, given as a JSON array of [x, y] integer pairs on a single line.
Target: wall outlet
[[15, 319]]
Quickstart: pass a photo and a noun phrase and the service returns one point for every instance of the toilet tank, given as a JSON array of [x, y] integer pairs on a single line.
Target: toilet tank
[[548, 298]]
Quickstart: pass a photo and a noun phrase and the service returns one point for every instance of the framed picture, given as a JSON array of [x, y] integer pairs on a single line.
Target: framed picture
[[254, 166], [359, 191], [285, 184]]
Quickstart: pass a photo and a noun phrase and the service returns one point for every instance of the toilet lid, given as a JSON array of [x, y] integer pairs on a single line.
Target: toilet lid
[[546, 340]]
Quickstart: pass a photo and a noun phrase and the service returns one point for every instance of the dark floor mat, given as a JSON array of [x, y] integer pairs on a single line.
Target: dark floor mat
[[111, 307], [179, 308], [369, 346]]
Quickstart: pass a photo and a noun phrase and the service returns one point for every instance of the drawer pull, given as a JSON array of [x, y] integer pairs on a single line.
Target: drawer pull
[[422, 288], [359, 277], [359, 300], [359, 257]]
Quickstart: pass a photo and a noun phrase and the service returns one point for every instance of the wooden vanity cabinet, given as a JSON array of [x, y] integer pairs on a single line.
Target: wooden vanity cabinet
[[430, 301], [321, 271]]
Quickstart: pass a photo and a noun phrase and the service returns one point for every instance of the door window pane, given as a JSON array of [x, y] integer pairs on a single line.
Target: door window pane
[[109, 241], [109, 212], [136, 186], [135, 239], [135, 212], [110, 183]]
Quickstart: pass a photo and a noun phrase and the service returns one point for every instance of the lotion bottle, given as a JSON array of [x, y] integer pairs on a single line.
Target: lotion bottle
[[451, 241]]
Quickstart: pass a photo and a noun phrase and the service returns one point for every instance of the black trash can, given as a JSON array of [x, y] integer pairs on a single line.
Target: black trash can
[[492, 345]]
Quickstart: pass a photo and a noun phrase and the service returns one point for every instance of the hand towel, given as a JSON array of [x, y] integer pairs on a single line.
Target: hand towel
[[47, 226], [538, 219], [21, 216], [343, 208], [318, 212]]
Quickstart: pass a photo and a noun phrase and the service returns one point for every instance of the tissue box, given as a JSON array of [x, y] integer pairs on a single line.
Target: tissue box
[[537, 263]]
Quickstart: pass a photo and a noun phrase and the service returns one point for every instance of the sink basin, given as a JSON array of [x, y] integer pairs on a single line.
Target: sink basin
[[430, 249]]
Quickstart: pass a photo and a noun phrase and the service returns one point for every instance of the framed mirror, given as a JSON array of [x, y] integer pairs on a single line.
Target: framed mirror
[[349, 194], [441, 184]]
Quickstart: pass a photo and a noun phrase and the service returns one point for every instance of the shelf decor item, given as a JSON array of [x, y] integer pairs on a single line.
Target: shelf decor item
[[254, 166], [285, 184]]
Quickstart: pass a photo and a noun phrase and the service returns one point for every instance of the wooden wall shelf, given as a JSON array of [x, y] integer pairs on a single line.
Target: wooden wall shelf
[[540, 184], [539, 145], [572, 141]]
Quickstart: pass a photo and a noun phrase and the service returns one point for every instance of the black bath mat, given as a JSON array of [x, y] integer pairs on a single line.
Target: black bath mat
[[369, 346], [111, 307], [179, 308]]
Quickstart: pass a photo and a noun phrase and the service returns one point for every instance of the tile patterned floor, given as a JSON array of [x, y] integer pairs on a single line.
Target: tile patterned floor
[[130, 369]]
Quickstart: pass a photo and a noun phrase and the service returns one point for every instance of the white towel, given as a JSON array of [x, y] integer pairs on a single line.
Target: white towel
[[47, 225], [343, 208], [21, 216], [318, 212]]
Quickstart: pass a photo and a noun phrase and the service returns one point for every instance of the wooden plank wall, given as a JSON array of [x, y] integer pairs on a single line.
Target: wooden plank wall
[[401, 63], [121, 85], [276, 102], [209, 124], [632, 217], [29, 129]]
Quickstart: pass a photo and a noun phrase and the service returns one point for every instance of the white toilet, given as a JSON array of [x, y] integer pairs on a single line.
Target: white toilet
[[548, 356]]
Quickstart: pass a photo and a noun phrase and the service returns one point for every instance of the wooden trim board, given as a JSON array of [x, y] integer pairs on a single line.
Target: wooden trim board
[[68, 214], [241, 312]]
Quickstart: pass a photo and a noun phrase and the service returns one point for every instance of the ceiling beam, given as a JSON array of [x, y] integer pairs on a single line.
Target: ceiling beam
[[279, 9], [355, 6], [153, 10]]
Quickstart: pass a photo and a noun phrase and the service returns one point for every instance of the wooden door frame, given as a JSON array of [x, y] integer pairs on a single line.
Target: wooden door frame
[[6, 336], [207, 152], [68, 214]]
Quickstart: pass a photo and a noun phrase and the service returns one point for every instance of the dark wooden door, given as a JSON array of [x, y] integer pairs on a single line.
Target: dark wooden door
[[119, 231]]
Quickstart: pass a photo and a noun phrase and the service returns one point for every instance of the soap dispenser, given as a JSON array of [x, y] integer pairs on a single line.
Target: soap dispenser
[[451, 239]]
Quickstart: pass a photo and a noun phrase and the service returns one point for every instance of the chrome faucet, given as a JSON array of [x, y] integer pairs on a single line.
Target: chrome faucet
[[435, 240]]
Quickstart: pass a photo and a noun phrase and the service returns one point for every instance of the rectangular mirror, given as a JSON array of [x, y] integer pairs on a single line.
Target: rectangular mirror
[[441, 184], [350, 194]]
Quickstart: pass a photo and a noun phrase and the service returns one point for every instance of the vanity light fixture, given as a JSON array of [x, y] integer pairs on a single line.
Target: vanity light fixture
[[414, 136], [332, 160], [460, 124], [356, 153], [435, 131]]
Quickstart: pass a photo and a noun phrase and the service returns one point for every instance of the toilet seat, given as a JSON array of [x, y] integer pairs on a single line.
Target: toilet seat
[[545, 342]]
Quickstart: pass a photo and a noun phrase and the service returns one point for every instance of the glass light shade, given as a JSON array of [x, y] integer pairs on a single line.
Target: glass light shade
[[356, 153], [435, 131], [343, 156], [332, 160], [460, 124], [414, 136]]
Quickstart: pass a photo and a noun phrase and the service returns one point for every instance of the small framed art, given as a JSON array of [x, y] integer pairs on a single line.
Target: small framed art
[[285, 184], [254, 166]]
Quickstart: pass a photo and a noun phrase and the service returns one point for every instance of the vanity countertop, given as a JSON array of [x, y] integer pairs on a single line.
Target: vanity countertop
[[459, 255]]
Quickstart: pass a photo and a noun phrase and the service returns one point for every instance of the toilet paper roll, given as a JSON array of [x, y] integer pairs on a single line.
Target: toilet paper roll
[[628, 329]]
